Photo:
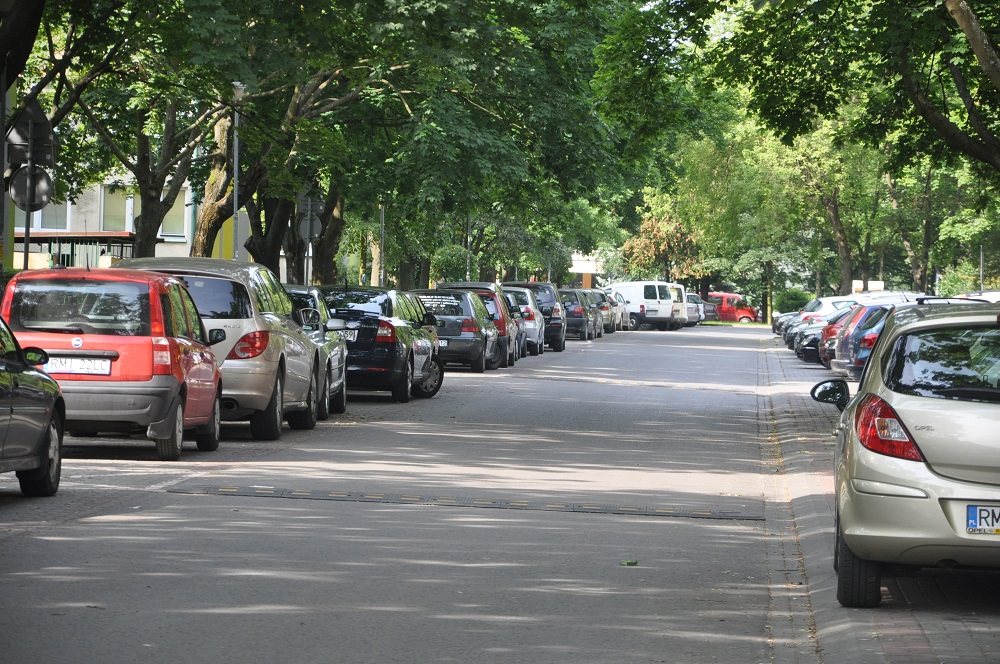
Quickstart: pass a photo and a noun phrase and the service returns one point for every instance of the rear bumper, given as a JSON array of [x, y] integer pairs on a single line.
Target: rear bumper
[[460, 350], [375, 370], [117, 405]]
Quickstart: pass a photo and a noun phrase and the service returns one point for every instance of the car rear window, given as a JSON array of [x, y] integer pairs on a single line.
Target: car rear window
[[376, 303], [217, 297], [948, 363], [520, 298], [569, 297], [448, 304], [544, 294], [81, 307]]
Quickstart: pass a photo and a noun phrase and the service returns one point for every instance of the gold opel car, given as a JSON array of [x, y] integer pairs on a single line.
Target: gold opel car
[[917, 463]]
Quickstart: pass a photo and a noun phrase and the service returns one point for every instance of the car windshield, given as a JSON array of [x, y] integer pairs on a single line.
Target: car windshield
[[81, 306], [375, 303], [954, 362], [813, 305], [217, 297]]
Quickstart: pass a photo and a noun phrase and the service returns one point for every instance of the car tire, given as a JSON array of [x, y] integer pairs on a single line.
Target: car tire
[[478, 365], [540, 346], [560, 344], [44, 481], [505, 355], [494, 362], [338, 402], [266, 424], [610, 328], [169, 448], [325, 398], [432, 384], [533, 349], [745, 319], [207, 437], [305, 419], [859, 582], [599, 330], [633, 323], [401, 390]]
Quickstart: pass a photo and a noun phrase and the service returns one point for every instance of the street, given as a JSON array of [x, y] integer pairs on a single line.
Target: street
[[644, 497]]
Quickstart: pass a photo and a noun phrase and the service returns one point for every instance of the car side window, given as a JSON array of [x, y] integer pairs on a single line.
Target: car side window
[[649, 292], [263, 295], [7, 343], [405, 310], [178, 316], [280, 302], [194, 319]]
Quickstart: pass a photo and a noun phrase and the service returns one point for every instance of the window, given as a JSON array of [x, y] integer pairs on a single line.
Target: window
[[178, 315], [118, 209], [53, 217], [649, 292], [217, 297], [197, 328]]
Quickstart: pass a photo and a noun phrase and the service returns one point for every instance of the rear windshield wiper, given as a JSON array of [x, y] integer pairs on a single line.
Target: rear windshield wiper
[[67, 329], [981, 393]]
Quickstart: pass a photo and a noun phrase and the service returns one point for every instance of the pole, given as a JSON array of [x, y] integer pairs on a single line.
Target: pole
[[981, 270], [381, 246], [236, 183], [31, 190], [8, 249], [468, 247]]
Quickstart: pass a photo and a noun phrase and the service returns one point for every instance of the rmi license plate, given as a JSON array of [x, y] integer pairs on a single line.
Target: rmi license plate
[[351, 335], [982, 519], [79, 365]]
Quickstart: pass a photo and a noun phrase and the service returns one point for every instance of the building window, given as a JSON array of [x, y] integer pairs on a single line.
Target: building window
[[53, 217], [115, 212], [174, 221]]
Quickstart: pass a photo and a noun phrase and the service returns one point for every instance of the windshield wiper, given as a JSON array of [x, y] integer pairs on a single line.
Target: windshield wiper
[[981, 393], [68, 329]]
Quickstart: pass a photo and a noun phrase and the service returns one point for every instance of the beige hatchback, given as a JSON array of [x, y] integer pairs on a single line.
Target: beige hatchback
[[269, 363], [917, 465]]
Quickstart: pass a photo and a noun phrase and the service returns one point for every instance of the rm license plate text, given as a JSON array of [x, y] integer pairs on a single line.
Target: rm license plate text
[[982, 519], [79, 365]]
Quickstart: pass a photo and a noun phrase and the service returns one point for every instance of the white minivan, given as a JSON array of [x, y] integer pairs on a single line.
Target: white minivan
[[658, 303]]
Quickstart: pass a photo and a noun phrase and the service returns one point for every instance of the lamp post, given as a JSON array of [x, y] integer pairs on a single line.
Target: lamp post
[[238, 90]]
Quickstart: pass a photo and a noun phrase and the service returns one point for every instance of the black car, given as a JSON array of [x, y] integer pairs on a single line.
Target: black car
[[552, 311], [582, 316], [31, 428], [466, 333], [392, 343]]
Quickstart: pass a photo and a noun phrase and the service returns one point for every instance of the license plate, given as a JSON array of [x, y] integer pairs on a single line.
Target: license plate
[[351, 335], [982, 519], [79, 365], [442, 342]]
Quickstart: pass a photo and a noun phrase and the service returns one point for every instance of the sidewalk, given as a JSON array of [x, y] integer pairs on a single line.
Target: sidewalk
[[926, 617]]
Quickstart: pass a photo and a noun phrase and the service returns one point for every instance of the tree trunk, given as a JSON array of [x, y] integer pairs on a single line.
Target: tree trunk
[[831, 204], [295, 257], [269, 223], [376, 253], [425, 273], [325, 269]]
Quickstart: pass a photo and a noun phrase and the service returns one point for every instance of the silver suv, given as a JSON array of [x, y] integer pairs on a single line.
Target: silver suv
[[269, 363]]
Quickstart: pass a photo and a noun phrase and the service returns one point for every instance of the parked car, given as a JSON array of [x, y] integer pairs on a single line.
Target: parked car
[[604, 308], [466, 332], [391, 340], [32, 441], [492, 296], [270, 366], [619, 308], [732, 308], [552, 311], [649, 303], [128, 349], [521, 343], [696, 309], [917, 461], [327, 333], [582, 317], [531, 314]]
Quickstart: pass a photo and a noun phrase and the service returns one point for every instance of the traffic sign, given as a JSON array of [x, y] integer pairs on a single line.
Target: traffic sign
[[31, 132], [30, 191]]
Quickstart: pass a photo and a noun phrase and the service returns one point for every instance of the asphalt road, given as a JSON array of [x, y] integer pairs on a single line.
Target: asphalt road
[[497, 522]]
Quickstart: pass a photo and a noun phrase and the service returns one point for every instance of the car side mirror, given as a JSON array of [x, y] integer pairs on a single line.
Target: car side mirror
[[430, 320], [835, 392], [308, 317], [216, 335], [335, 325], [35, 356]]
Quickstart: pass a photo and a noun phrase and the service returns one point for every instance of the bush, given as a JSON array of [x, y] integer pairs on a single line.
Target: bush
[[449, 263], [791, 299]]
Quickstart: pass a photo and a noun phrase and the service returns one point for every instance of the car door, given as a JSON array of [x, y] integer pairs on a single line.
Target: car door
[[8, 368], [277, 306], [198, 361], [23, 401], [422, 345]]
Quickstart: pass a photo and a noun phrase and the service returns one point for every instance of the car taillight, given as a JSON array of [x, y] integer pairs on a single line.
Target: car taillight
[[161, 356], [556, 309], [868, 340], [880, 430], [470, 325], [642, 308], [386, 333], [576, 310], [250, 345]]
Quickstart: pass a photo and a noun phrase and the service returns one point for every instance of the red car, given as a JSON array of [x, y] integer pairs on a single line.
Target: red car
[[732, 308], [128, 349]]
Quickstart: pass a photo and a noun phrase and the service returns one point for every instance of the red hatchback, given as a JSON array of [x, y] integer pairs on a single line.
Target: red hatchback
[[128, 349]]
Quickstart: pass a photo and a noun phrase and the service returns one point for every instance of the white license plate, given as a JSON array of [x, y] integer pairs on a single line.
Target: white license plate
[[351, 335], [79, 365], [442, 342], [982, 519]]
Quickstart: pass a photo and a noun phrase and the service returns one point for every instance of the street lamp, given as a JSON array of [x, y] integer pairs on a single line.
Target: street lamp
[[238, 90]]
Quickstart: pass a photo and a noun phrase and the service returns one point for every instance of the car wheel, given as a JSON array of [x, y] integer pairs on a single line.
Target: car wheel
[[323, 409], [610, 328], [169, 448], [859, 582], [504, 356], [478, 365], [599, 330], [266, 424], [633, 322], [540, 346], [494, 362], [432, 384], [746, 319], [338, 402], [401, 390], [560, 344], [208, 436], [45, 481], [305, 419], [533, 349]]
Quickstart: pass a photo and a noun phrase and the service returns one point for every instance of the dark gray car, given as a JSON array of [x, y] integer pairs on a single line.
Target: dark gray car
[[466, 332]]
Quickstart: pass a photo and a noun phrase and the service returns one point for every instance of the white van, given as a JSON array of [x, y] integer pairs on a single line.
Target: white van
[[653, 303]]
